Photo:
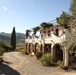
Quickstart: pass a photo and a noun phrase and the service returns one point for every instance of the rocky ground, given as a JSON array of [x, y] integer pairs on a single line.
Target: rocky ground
[[15, 63]]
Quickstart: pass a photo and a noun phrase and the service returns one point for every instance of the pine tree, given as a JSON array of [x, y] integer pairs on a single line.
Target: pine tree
[[73, 8], [64, 19], [13, 39]]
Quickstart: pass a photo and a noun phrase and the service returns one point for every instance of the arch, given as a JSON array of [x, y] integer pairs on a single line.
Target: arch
[[33, 47], [41, 47], [57, 53], [37, 47], [30, 47], [26, 45], [47, 48]]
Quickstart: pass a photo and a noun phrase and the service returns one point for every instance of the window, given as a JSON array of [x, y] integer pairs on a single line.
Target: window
[[57, 32], [44, 32], [49, 34], [48, 31], [52, 29]]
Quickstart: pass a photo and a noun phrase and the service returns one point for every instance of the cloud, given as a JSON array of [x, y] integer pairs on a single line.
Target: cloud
[[4, 7], [15, 18], [9, 12]]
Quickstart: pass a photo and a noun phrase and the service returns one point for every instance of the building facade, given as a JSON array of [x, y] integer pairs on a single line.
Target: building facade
[[51, 40]]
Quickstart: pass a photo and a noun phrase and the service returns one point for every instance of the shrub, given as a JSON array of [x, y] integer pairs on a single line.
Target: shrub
[[60, 63], [1, 51], [46, 59], [1, 59], [20, 47], [4, 46], [26, 53], [39, 54]]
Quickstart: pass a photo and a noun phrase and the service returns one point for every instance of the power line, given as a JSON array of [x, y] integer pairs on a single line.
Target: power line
[[52, 20]]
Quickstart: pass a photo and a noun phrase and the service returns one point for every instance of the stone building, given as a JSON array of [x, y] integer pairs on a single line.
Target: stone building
[[50, 40]]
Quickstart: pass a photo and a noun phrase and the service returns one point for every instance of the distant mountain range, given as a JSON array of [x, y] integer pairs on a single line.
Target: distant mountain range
[[6, 37]]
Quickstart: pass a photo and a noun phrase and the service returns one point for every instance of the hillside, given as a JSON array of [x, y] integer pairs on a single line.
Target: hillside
[[6, 37]]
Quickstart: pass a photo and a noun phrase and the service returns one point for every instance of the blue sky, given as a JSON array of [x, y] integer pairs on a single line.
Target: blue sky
[[26, 14]]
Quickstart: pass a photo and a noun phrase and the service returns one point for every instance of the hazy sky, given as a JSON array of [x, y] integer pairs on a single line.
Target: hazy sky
[[26, 14]]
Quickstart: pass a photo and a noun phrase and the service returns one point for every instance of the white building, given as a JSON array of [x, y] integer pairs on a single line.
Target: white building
[[50, 41]]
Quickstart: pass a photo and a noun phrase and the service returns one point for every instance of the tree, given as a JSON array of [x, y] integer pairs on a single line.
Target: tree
[[64, 19], [73, 18], [46, 25], [35, 29], [27, 33], [73, 8], [13, 39]]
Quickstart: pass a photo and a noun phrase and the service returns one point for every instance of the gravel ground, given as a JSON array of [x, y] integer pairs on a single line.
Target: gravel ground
[[19, 64]]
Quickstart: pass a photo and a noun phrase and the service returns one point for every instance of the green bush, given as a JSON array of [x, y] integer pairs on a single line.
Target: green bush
[[39, 54], [1, 59], [5, 47], [26, 53], [46, 59], [60, 63], [1, 51]]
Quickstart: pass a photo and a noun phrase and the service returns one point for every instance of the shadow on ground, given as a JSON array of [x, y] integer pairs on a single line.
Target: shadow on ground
[[7, 62], [6, 70]]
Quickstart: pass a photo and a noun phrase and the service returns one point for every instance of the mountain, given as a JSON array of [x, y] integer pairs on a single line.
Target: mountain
[[6, 34], [9, 34], [6, 37]]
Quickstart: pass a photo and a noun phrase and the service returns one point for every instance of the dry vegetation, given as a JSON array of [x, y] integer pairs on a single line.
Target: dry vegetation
[[20, 47]]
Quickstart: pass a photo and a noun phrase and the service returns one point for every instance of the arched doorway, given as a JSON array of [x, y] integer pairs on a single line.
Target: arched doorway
[[37, 47], [41, 47], [33, 47], [30, 47], [57, 53], [47, 48], [26, 45]]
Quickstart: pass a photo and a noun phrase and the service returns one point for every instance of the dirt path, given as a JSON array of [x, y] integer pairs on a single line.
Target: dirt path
[[18, 64]]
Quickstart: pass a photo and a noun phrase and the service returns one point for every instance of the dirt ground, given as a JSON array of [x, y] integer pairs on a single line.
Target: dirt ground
[[15, 63]]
